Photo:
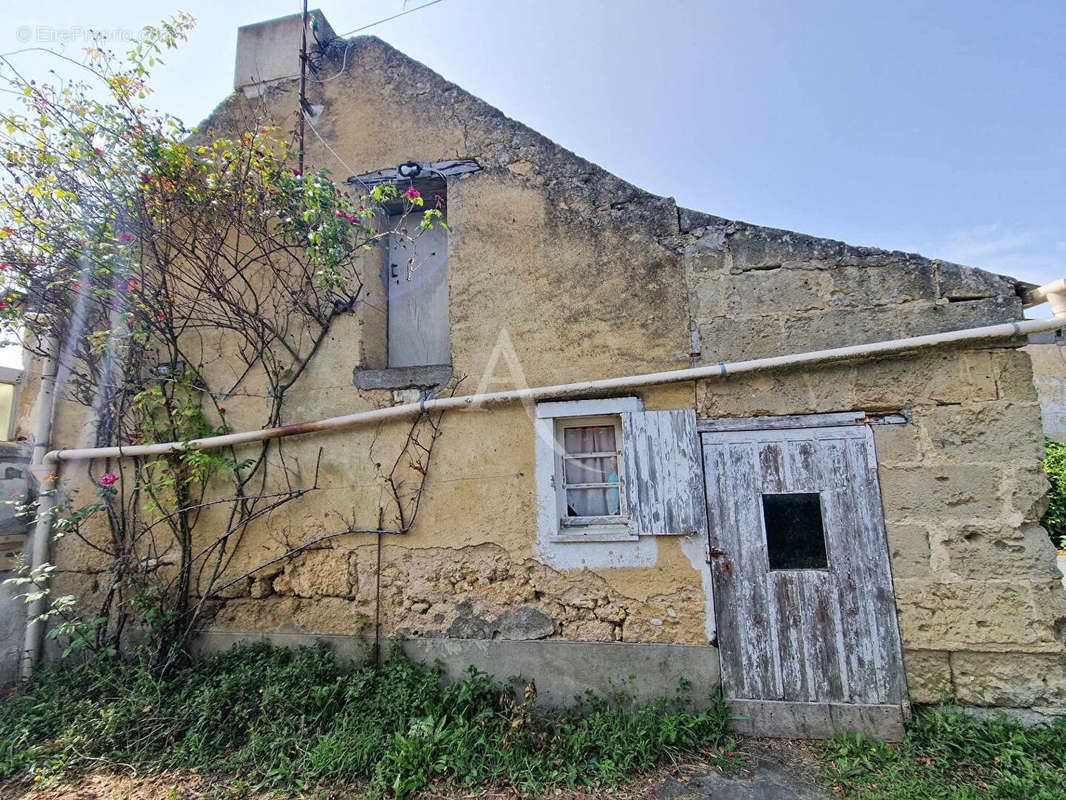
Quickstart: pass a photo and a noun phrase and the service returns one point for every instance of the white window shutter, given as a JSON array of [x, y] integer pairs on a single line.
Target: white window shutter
[[419, 326], [663, 473]]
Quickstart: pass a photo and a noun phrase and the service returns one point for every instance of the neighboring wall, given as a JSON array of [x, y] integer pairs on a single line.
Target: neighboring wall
[[559, 272], [760, 291], [1049, 375], [14, 477]]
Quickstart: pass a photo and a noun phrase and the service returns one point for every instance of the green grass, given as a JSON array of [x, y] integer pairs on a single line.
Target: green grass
[[1054, 520], [286, 719], [948, 755]]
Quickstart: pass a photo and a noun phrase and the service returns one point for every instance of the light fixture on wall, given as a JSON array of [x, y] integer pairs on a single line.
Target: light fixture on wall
[[409, 169]]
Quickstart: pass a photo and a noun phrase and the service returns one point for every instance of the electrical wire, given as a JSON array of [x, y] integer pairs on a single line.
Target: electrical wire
[[389, 19], [336, 155], [344, 60], [344, 65]]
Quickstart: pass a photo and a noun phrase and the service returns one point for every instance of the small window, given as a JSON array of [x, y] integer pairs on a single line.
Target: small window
[[8, 410], [795, 535], [588, 476]]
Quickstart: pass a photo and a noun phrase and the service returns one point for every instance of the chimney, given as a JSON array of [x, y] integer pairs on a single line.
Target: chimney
[[270, 51]]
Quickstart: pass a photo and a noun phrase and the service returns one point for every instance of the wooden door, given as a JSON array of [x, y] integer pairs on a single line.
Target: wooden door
[[418, 297], [806, 614]]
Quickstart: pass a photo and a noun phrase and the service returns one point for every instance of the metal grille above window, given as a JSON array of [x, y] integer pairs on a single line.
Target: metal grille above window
[[795, 535]]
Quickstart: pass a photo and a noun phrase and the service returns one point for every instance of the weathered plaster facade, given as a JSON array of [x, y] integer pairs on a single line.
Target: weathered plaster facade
[[579, 275]]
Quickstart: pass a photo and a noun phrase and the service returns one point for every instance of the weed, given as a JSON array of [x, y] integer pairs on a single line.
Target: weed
[[946, 754], [286, 719]]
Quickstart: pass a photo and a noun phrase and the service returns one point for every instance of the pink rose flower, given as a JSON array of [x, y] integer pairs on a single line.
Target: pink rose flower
[[412, 193], [108, 479]]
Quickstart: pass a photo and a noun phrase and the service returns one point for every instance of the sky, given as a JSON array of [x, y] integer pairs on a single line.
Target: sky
[[918, 125]]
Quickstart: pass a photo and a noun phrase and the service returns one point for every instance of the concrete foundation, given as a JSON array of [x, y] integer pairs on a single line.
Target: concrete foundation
[[562, 671]]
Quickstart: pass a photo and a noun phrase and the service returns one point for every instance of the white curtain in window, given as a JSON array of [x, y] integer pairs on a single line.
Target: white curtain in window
[[599, 501]]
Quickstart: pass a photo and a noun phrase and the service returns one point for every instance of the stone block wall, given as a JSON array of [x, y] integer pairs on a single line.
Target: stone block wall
[[757, 291], [979, 595], [980, 599]]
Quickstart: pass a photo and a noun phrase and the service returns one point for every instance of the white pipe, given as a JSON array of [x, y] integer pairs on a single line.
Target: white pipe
[[608, 385], [1054, 293], [47, 485]]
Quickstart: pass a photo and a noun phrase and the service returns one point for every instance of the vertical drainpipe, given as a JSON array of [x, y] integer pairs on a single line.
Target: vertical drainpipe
[[47, 486]]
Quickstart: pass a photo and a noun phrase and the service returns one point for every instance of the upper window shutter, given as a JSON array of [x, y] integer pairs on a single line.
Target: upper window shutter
[[419, 321], [663, 473]]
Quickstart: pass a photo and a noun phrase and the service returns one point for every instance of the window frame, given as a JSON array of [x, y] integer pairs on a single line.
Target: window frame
[[601, 524], [550, 416], [16, 379]]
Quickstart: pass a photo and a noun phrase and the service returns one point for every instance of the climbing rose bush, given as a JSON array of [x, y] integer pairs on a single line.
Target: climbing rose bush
[[131, 239]]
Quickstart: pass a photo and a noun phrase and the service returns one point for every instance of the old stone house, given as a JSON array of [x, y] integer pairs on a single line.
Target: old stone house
[[828, 542]]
